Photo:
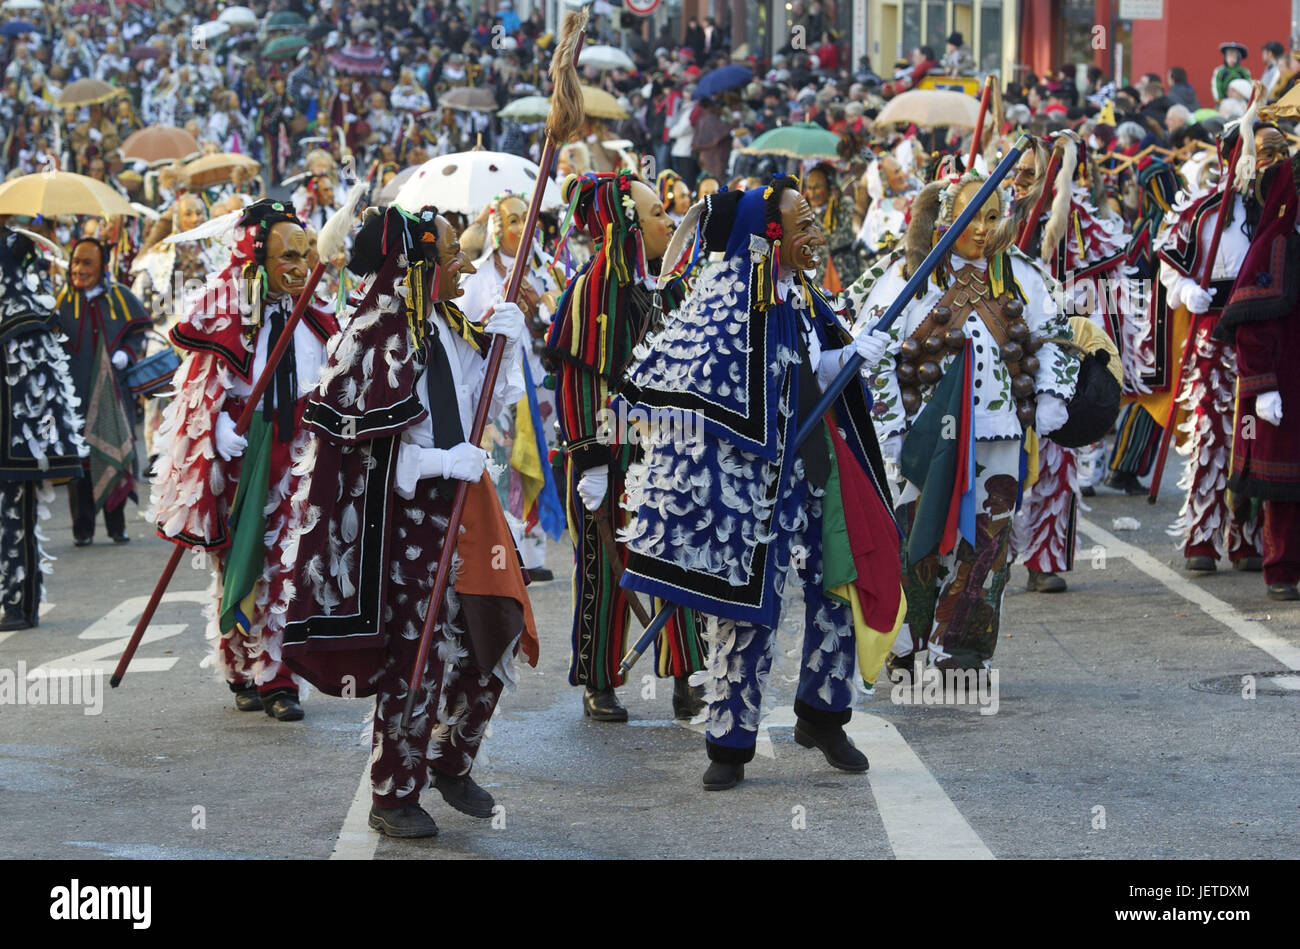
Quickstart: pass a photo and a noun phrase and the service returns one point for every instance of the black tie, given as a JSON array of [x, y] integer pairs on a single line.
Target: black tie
[[280, 396], [814, 452], [444, 407]]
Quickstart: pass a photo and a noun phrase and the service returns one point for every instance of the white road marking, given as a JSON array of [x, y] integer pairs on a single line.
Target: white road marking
[[921, 821], [356, 840], [110, 626], [1254, 633]]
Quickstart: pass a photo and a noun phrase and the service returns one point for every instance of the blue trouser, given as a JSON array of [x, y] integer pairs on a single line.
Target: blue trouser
[[740, 654]]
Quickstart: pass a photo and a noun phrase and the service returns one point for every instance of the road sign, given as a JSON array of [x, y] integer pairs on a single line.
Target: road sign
[[641, 7]]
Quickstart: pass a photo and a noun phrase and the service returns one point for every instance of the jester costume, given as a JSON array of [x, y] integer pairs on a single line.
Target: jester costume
[[1208, 525], [522, 437], [97, 323], [722, 521], [404, 377], [1151, 343], [1262, 320], [238, 510], [40, 427], [606, 311], [1087, 256], [972, 347]]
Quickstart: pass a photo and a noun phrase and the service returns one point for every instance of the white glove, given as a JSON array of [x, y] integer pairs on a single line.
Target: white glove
[[287, 112], [1196, 299], [121, 360], [1051, 415], [871, 346], [229, 444], [506, 319], [464, 462], [96, 135], [891, 448], [593, 486], [1268, 406]]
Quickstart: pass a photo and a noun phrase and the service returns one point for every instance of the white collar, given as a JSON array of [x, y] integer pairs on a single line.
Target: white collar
[[958, 262]]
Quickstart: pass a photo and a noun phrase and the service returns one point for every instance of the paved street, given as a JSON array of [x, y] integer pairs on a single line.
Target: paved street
[[1111, 737]]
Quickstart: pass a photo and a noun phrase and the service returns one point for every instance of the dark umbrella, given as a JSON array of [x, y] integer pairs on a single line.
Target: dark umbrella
[[318, 31], [17, 28], [144, 52], [721, 80], [358, 60], [285, 47], [285, 20]]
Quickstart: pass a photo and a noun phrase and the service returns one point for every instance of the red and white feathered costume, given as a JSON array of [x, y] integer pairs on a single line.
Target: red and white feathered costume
[[1206, 525], [1086, 252], [226, 338]]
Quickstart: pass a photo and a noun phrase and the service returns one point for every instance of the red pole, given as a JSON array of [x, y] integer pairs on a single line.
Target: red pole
[[979, 122], [1027, 228]]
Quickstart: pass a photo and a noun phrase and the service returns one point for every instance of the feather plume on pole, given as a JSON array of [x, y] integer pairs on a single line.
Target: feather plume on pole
[[562, 125], [1246, 162], [328, 242], [1057, 218]]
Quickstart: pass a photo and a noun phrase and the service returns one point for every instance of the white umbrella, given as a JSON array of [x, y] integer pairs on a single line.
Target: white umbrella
[[211, 30], [527, 109], [238, 16], [605, 57], [466, 182], [23, 4]]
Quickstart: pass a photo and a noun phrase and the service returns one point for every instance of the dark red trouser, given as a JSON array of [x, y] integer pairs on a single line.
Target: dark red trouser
[[463, 696], [1281, 542]]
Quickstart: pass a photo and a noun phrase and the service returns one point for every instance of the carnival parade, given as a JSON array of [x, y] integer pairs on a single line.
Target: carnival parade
[[680, 429]]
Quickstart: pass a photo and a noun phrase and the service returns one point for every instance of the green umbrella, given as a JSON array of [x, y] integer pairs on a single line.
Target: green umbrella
[[527, 109], [801, 140], [283, 47], [285, 20]]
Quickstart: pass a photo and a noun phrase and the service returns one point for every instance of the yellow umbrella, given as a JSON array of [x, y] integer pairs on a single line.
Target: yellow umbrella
[[930, 108], [216, 168], [51, 193], [88, 92], [599, 104]]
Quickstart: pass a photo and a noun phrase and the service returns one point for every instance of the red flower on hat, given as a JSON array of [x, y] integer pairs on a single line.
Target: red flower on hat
[[774, 230]]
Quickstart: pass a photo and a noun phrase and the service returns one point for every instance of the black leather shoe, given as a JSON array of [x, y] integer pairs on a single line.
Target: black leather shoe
[[283, 707], [1045, 583], [412, 820], [1283, 591], [688, 700], [1126, 482], [1249, 564], [540, 574], [11, 623], [1088, 491], [902, 665], [721, 776], [248, 700], [603, 706], [835, 745], [1200, 564], [464, 794], [82, 541], [120, 538]]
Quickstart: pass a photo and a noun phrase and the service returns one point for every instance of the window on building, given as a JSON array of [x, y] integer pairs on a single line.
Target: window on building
[[990, 51], [936, 25], [911, 32]]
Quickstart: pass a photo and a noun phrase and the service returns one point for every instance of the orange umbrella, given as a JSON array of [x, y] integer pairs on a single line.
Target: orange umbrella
[[159, 143], [88, 92]]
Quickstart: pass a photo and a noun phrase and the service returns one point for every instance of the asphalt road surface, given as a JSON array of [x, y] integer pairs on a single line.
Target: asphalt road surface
[[1142, 714]]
